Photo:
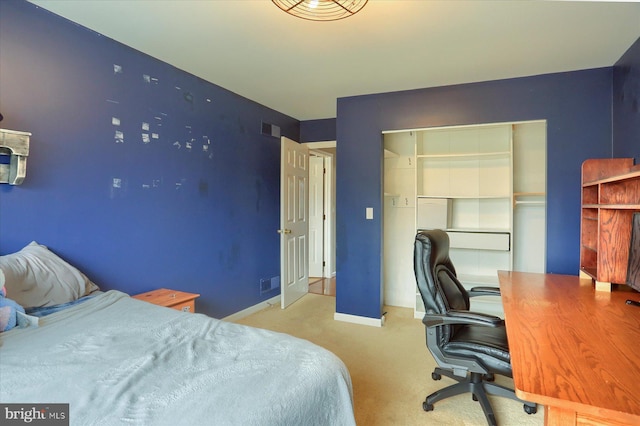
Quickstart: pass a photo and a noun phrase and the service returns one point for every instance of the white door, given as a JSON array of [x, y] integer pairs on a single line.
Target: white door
[[294, 224], [316, 216]]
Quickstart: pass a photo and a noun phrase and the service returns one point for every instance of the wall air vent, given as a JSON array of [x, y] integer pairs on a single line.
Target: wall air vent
[[270, 130]]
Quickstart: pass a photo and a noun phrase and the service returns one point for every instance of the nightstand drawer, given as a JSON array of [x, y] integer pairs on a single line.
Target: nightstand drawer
[[185, 307], [179, 300]]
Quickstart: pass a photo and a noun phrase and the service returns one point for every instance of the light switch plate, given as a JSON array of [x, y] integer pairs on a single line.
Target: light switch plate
[[369, 213]]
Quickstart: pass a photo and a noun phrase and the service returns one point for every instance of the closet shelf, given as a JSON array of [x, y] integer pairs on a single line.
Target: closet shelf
[[478, 279], [480, 230], [529, 194], [463, 155], [389, 154], [532, 198], [470, 197], [530, 202]]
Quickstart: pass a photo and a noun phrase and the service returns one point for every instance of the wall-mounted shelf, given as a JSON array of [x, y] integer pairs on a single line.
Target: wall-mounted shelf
[[16, 145]]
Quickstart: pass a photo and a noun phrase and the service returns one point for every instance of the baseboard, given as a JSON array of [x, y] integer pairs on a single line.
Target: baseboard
[[275, 300], [356, 319]]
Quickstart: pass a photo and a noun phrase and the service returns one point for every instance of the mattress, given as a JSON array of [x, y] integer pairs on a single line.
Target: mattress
[[120, 361]]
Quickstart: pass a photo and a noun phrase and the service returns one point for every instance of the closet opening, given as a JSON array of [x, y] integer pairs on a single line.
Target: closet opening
[[484, 184]]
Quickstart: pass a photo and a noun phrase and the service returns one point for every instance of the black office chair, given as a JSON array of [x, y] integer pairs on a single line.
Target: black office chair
[[469, 347]]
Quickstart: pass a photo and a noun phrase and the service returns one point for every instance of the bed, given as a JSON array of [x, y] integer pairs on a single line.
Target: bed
[[117, 360]]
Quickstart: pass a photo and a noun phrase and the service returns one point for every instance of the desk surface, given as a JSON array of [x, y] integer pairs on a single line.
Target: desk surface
[[572, 347]]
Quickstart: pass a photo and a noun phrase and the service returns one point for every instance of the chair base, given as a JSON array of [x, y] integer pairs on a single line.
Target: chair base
[[479, 387], [439, 372]]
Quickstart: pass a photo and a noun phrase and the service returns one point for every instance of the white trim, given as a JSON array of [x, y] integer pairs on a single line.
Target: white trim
[[461, 126], [355, 319], [330, 212], [275, 300]]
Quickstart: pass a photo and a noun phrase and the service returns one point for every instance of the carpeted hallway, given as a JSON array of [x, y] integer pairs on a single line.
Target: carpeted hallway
[[390, 366]]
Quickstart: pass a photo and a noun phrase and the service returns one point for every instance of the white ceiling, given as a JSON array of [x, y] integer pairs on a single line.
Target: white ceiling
[[301, 67]]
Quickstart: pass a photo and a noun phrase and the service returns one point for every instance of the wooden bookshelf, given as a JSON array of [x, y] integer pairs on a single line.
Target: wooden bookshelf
[[610, 196]]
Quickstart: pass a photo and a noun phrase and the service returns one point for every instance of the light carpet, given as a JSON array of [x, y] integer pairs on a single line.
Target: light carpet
[[390, 366]]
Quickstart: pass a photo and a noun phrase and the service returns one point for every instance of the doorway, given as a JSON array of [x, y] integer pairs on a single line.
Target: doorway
[[322, 217]]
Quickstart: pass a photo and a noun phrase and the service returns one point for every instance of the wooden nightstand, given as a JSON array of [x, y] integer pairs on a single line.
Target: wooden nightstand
[[174, 299]]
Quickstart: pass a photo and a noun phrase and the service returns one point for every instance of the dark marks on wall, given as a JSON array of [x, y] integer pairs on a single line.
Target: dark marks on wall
[[203, 188], [258, 186], [144, 112]]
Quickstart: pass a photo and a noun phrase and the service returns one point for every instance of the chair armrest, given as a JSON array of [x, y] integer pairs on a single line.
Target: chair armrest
[[484, 291], [462, 317]]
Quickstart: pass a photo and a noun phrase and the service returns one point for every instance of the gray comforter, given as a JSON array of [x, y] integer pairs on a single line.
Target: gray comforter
[[117, 360]]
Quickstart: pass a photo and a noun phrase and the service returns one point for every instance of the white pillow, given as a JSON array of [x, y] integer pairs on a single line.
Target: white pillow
[[36, 277]]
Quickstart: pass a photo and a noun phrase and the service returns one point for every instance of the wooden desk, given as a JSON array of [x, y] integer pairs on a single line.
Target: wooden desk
[[574, 350]]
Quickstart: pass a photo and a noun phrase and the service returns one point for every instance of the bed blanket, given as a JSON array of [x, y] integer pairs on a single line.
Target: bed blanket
[[121, 361]]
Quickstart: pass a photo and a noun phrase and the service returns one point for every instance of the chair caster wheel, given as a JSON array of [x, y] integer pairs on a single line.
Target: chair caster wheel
[[427, 407], [489, 377], [475, 398], [530, 410], [436, 376]]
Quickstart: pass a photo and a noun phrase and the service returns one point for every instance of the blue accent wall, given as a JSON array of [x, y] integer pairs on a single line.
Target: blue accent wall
[[318, 130], [140, 174], [577, 107], [626, 104]]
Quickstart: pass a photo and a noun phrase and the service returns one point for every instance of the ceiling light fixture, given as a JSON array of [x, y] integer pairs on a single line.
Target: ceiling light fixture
[[321, 10]]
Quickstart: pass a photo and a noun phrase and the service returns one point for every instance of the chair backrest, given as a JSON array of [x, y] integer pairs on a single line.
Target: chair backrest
[[436, 277]]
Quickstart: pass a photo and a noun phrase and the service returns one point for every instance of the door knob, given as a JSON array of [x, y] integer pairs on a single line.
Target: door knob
[[284, 231]]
